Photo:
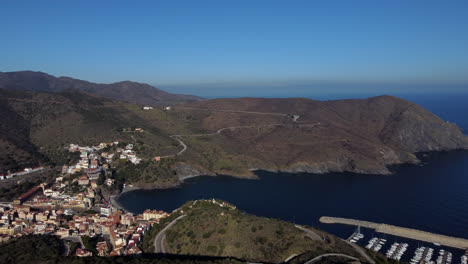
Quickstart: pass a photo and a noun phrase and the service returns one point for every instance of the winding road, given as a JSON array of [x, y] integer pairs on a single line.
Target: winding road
[[309, 233], [361, 251], [330, 255], [184, 146], [161, 236], [315, 236], [234, 111], [219, 131]]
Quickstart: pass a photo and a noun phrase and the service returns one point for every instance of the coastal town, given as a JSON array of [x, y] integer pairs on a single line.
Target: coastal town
[[71, 209]]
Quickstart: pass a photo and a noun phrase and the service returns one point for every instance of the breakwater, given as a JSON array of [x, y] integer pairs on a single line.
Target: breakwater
[[400, 231]]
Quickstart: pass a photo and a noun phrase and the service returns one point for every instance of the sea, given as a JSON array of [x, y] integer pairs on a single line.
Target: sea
[[431, 196]]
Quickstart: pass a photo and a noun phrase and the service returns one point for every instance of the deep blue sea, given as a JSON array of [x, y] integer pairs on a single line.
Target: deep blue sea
[[432, 196]]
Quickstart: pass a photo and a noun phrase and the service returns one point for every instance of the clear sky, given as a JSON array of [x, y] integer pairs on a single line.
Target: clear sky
[[243, 47]]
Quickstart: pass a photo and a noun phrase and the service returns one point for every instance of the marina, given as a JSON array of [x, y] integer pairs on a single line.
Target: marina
[[376, 244], [464, 259], [447, 217], [444, 257], [397, 250], [422, 255], [356, 236], [407, 250], [401, 232]]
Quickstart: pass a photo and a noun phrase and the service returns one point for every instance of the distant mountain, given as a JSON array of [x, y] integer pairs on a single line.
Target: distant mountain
[[132, 92]]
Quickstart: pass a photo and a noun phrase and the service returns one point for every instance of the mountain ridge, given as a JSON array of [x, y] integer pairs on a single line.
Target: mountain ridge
[[228, 136], [132, 92]]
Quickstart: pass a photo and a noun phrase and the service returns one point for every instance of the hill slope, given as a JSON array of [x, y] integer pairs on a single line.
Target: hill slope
[[363, 136], [229, 136], [37, 127], [216, 228], [46, 249], [133, 92]]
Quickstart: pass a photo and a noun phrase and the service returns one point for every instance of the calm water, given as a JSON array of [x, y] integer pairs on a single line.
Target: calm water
[[431, 197]]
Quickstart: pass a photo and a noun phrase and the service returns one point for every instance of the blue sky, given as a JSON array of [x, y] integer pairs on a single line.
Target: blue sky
[[244, 47]]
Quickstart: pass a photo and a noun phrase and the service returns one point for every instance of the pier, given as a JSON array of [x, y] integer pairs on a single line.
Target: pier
[[400, 231], [357, 232]]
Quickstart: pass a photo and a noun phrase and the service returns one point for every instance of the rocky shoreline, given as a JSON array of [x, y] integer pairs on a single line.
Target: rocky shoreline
[[129, 188]]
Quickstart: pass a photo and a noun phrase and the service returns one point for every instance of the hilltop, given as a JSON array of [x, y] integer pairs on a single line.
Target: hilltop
[[361, 136], [132, 92], [217, 228]]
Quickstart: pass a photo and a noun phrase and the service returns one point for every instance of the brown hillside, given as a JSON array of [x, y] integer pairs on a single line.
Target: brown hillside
[[132, 92]]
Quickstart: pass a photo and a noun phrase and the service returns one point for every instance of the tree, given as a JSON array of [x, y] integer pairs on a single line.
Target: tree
[[101, 179]]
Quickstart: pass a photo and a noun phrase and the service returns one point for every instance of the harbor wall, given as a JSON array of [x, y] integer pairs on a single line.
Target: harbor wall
[[400, 231]]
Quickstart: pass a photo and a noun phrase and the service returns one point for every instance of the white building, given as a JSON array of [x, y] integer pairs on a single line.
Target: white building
[[106, 211]]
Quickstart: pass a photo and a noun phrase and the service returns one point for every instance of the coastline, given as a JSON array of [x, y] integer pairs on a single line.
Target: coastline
[[115, 204], [392, 168], [271, 184], [114, 198]]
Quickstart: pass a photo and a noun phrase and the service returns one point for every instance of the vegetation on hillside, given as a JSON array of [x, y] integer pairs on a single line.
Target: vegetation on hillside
[[45, 249], [46, 123], [11, 193], [12, 188], [210, 229], [361, 136], [31, 249], [148, 240], [148, 172]]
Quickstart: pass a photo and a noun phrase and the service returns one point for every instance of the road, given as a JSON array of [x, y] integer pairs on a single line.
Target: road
[[219, 131], [229, 128], [76, 239], [309, 233], [330, 255], [184, 147], [233, 111], [67, 249], [161, 236], [315, 236], [360, 251]]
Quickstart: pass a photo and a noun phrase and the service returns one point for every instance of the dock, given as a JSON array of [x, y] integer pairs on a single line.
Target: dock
[[400, 231], [353, 235]]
